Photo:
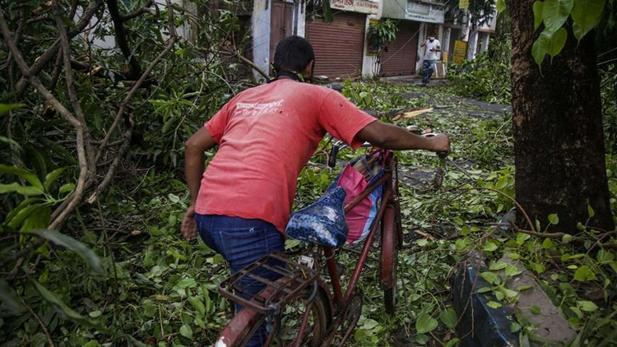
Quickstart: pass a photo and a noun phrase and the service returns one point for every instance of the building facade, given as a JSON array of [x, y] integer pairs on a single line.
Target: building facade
[[341, 46]]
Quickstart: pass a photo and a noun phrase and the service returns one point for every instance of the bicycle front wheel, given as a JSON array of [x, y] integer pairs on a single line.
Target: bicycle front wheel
[[389, 259]]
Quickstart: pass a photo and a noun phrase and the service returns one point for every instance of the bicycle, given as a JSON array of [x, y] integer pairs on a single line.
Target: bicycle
[[325, 312]]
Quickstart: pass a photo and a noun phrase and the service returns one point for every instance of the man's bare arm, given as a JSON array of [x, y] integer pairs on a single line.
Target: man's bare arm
[[392, 137], [194, 159]]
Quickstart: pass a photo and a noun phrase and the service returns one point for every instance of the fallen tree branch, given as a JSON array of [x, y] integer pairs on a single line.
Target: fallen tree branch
[[141, 11], [252, 65], [121, 39], [43, 59], [62, 110], [128, 97], [82, 138], [50, 341], [70, 84], [127, 136], [25, 70]]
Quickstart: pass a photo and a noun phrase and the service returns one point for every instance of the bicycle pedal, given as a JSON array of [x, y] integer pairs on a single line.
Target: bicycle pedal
[[307, 261]]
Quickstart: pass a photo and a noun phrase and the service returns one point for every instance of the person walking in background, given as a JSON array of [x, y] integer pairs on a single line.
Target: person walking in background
[[432, 47]]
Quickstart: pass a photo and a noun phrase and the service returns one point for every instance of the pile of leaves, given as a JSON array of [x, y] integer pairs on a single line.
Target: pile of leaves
[[483, 78]]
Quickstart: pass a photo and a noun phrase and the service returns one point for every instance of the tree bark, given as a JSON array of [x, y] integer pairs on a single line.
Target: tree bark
[[557, 126]]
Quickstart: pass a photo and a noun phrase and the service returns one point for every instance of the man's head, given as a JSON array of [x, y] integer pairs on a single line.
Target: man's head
[[294, 54]]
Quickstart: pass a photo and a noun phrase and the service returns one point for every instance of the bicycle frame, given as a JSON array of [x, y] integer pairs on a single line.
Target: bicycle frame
[[388, 196], [296, 278]]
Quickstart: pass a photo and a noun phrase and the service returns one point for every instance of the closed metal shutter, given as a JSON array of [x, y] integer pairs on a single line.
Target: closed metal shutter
[[338, 45], [400, 59]]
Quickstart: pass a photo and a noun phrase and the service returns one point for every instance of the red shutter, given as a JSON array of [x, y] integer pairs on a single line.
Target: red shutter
[[338, 45], [400, 59]]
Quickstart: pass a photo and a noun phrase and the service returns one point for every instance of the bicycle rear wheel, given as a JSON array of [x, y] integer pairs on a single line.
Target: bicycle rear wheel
[[314, 314]]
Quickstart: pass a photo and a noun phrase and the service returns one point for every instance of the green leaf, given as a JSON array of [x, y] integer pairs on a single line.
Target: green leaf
[[512, 271], [449, 318], [553, 218], [38, 219], [500, 6], [15, 220], [497, 265], [197, 305], [548, 244], [4, 108], [489, 277], [186, 331], [10, 299], [537, 14], [586, 306], [524, 287], [484, 290], [515, 327], [584, 273], [493, 304], [52, 177], [555, 13], [66, 188], [590, 211], [17, 188], [605, 257], [586, 15], [425, 323], [70, 243], [521, 238], [55, 300], [509, 293], [535, 309], [556, 43], [23, 173], [490, 246], [538, 267], [567, 238], [538, 50]]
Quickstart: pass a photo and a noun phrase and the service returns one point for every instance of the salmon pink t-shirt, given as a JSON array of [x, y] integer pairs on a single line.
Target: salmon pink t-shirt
[[266, 135]]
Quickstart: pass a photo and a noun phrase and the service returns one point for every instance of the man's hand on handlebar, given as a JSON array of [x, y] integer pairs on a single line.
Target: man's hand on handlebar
[[440, 143]]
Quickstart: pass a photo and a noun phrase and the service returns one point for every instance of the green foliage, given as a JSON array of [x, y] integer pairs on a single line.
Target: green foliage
[[482, 78], [381, 33], [554, 14], [609, 106], [381, 98], [129, 236], [70, 243]]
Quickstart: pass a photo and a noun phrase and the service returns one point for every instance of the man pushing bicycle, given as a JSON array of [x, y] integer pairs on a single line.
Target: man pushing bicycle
[[241, 203]]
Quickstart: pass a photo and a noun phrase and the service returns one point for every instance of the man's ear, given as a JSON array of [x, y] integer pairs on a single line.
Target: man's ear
[[308, 70]]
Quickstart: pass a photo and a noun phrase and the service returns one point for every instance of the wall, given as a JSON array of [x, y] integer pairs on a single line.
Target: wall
[[261, 36]]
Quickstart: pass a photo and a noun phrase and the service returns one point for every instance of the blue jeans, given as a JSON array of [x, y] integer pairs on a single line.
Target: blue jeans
[[427, 70], [241, 242]]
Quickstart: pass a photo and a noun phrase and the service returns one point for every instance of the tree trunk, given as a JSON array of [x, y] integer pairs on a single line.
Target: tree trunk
[[557, 126]]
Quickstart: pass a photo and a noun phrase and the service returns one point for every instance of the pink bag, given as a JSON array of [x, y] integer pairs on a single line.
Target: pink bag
[[360, 218]]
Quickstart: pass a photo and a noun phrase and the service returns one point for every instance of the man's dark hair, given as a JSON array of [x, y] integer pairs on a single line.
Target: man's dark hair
[[293, 54]]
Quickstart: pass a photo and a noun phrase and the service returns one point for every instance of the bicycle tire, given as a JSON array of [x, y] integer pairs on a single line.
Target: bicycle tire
[[243, 325], [389, 258]]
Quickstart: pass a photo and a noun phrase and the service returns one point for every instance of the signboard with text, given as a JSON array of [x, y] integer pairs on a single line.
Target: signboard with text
[[362, 6], [460, 51], [424, 12]]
